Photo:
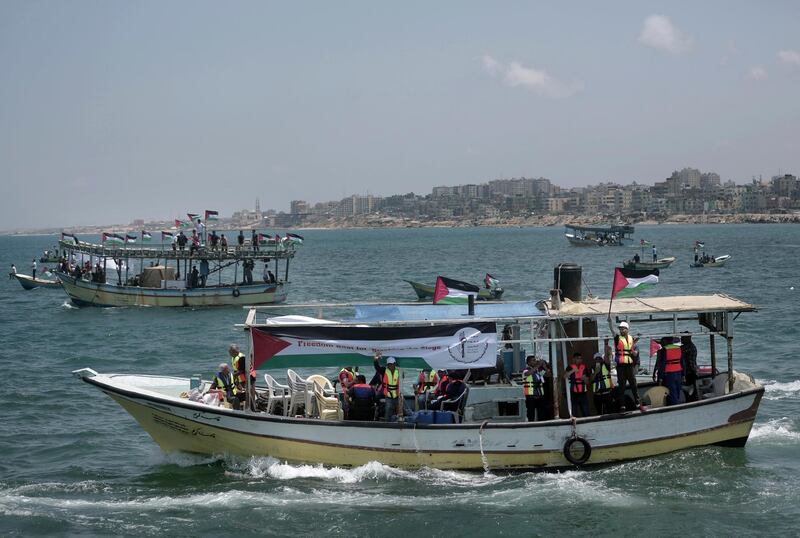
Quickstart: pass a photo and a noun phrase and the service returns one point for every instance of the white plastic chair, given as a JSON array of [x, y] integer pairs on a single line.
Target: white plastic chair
[[298, 393], [276, 393]]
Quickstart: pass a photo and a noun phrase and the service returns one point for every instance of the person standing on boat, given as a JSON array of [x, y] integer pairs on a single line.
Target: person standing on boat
[[578, 376], [636, 258], [669, 369], [203, 272], [223, 242], [689, 355], [390, 381], [200, 228], [602, 384], [254, 240], [33, 268], [13, 271], [655, 253], [533, 387], [214, 238], [240, 238], [626, 355]]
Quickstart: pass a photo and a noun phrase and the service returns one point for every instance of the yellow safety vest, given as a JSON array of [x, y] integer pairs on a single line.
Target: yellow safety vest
[[624, 347], [602, 380], [391, 383], [533, 384]]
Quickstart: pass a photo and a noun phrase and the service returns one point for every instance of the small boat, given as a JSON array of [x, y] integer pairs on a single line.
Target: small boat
[[661, 263], [718, 261], [29, 283], [485, 428], [598, 236], [424, 291]]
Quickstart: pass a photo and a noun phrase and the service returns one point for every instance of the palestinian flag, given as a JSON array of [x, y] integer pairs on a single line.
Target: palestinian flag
[[192, 217], [130, 238], [294, 239], [644, 242], [450, 291], [146, 236], [182, 223], [629, 282], [65, 236], [699, 244], [212, 215], [115, 239], [654, 347], [263, 238], [490, 281], [166, 235]]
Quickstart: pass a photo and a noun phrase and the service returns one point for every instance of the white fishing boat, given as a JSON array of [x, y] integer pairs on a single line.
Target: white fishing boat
[[661, 263], [161, 284], [489, 430], [718, 261], [30, 283], [598, 236]]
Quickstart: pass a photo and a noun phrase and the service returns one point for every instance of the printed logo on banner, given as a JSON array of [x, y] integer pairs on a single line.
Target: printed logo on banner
[[471, 346]]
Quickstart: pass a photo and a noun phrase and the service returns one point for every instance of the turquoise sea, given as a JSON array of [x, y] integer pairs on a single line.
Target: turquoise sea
[[75, 464]]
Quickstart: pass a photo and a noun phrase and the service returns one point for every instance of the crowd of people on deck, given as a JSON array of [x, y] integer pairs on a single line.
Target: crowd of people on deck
[[381, 398]]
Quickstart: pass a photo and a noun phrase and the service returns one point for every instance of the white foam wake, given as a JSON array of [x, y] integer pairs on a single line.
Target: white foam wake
[[775, 390], [778, 429]]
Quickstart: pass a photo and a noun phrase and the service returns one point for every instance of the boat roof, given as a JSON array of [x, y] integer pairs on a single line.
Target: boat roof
[[281, 251], [612, 229], [430, 312], [717, 302]]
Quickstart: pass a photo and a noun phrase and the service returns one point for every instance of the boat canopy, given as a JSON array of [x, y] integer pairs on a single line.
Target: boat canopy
[[616, 229], [428, 312], [717, 302]]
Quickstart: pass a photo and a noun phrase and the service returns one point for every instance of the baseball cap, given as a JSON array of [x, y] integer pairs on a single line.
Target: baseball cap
[[391, 360], [624, 325]]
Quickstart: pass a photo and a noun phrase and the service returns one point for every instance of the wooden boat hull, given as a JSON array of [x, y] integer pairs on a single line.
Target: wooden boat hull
[[181, 425], [29, 283], [425, 291], [86, 293], [662, 263]]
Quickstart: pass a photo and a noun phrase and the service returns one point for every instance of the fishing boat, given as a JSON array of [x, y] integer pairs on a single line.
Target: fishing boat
[[229, 281], [661, 263], [30, 283], [711, 261], [50, 256], [424, 292], [598, 236], [486, 427]]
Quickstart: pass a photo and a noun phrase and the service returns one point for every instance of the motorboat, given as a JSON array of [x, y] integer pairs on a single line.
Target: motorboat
[[30, 283], [425, 291], [718, 261], [661, 263], [598, 236]]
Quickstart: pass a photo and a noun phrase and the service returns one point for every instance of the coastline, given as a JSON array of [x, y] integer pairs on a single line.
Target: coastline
[[377, 221]]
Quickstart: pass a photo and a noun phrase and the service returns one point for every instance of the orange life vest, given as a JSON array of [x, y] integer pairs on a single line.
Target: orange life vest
[[624, 347], [426, 383], [673, 359], [578, 385]]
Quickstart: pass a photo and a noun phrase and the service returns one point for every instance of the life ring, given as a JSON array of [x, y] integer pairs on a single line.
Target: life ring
[[236, 292], [584, 456]]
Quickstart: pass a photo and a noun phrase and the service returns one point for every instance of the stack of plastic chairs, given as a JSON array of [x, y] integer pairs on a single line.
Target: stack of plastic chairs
[[298, 394], [326, 403], [277, 393]]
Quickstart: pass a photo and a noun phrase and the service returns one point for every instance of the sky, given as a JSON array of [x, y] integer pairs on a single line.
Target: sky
[[111, 110]]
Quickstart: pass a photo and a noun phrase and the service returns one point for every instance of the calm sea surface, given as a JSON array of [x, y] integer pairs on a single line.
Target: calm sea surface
[[73, 463]]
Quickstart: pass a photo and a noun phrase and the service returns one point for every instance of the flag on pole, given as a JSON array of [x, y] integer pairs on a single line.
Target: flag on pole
[[181, 223], [490, 281], [192, 217], [699, 244], [65, 236], [449, 291], [146, 236], [212, 215], [654, 347], [628, 282], [130, 238], [113, 238], [166, 235], [294, 239], [262, 238]]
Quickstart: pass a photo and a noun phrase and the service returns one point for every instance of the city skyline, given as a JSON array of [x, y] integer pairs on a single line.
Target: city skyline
[[120, 111]]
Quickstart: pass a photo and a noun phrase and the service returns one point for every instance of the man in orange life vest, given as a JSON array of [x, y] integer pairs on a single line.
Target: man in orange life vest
[[428, 379], [239, 364], [670, 369], [391, 380], [578, 375], [626, 355]]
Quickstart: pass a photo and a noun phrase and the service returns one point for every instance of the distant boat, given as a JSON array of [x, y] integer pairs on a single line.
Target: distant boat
[[718, 261], [29, 283], [597, 236], [425, 291], [661, 263]]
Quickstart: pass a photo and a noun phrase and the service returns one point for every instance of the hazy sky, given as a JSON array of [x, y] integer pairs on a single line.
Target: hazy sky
[[111, 111]]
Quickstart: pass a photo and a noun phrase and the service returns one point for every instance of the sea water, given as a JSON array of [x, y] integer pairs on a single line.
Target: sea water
[[73, 463]]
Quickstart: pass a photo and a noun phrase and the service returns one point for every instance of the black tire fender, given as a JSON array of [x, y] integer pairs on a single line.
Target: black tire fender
[[236, 292], [587, 450]]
